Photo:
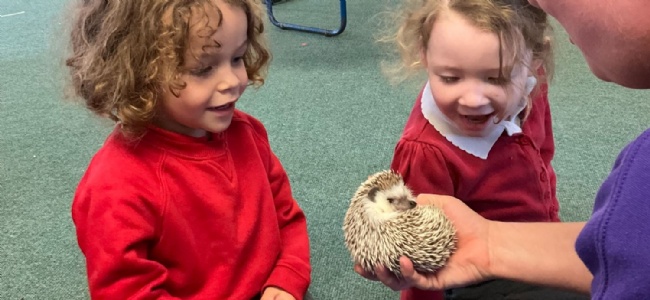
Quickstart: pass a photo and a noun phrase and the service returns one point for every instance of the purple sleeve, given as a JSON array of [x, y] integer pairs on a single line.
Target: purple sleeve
[[615, 243]]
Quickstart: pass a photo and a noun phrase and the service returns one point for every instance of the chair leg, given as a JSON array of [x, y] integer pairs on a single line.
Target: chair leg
[[325, 32]]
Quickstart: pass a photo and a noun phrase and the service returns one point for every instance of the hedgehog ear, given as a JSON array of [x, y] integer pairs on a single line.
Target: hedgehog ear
[[372, 193]]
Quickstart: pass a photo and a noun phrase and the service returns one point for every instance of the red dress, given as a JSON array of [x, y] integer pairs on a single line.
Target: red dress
[[516, 181]]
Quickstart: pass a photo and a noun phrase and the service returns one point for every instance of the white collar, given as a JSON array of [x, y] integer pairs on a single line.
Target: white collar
[[477, 146]]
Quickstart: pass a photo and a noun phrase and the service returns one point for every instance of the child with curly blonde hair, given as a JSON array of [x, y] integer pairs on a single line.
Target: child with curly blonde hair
[[185, 199], [480, 129]]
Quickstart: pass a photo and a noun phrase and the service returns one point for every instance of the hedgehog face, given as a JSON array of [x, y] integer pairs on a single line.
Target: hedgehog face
[[396, 198]]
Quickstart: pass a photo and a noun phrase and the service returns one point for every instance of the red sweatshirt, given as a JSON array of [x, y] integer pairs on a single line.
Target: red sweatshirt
[[515, 183], [176, 217]]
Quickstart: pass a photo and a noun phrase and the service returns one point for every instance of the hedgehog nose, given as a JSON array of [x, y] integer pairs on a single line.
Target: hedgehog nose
[[413, 204]]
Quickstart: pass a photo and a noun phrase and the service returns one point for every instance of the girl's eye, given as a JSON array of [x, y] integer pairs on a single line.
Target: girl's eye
[[449, 79], [497, 80], [202, 71], [238, 59]]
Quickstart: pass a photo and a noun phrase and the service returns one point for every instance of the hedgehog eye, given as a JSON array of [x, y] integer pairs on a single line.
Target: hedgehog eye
[[391, 200]]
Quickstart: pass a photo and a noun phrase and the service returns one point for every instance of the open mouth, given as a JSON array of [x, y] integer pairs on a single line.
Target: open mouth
[[478, 119], [224, 107]]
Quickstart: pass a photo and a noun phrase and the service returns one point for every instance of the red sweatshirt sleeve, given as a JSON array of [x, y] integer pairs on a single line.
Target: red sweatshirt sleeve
[[114, 230], [292, 271]]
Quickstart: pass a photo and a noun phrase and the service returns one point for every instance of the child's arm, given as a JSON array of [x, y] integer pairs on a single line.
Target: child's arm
[[114, 232], [423, 168], [292, 272], [547, 149]]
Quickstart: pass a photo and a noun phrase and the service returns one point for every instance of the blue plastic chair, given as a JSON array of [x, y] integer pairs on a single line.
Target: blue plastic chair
[[325, 32]]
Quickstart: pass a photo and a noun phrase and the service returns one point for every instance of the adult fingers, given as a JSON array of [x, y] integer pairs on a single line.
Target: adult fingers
[[364, 274]]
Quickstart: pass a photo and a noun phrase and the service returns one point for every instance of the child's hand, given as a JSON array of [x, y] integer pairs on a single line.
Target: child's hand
[[274, 293]]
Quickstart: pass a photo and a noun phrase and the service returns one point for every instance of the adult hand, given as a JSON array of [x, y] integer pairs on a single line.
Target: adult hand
[[469, 264], [363, 273], [274, 293]]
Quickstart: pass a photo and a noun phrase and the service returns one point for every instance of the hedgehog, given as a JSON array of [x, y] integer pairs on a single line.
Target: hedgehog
[[384, 223]]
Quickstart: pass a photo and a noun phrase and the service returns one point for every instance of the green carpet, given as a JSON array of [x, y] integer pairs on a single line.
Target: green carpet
[[332, 118]]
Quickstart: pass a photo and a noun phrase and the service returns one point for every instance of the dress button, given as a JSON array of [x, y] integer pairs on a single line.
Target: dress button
[[542, 176]]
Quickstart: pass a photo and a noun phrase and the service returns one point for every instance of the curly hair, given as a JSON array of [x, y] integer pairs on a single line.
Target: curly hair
[[517, 24], [124, 53]]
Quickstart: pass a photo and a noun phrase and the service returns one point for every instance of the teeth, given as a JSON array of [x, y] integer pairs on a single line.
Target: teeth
[[477, 119]]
